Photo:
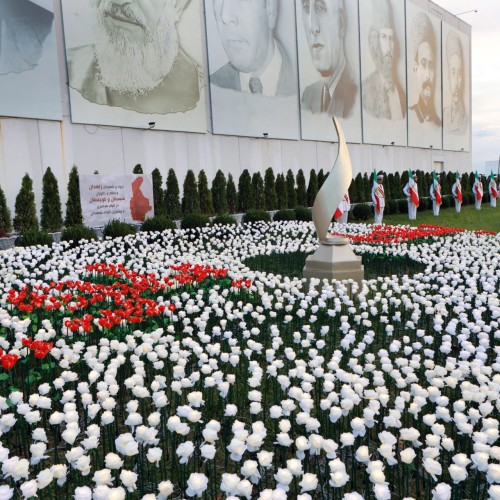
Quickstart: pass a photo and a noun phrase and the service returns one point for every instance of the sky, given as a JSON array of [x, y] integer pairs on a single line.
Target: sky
[[485, 74]]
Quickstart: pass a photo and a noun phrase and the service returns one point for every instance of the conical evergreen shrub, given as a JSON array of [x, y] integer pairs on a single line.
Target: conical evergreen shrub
[[301, 189], [321, 178], [259, 200], [232, 195], [245, 191], [359, 188], [5, 219], [367, 184], [190, 195], [25, 217], [271, 199], [281, 192], [353, 192], [290, 189], [51, 214], [397, 191], [138, 169], [172, 201], [206, 206], [74, 215], [219, 193], [312, 188], [389, 187], [158, 194]]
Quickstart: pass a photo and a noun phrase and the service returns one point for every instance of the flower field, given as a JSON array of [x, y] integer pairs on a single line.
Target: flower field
[[163, 365]]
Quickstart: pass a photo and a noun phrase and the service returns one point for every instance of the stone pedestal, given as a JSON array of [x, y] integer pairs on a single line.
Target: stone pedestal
[[334, 259]]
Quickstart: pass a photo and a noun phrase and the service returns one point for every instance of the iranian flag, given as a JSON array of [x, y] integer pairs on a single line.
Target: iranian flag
[[493, 186], [377, 199], [413, 192], [479, 192], [437, 192], [459, 193]]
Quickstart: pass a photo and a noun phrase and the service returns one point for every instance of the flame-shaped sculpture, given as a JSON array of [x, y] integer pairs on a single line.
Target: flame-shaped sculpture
[[333, 189]]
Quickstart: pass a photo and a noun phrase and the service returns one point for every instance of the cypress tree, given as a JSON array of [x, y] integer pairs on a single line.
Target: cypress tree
[[301, 189], [290, 189], [25, 209], [353, 192], [190, 195], [259, 200], [138, 169], [312, 188], [5, 219], [360, 188], [367, 184], [172, 201], [281, 192], [321, 178], [397, 188], [74, 215], [245, 191], [219, 193], [472, 179], [450, 177], [389, 187], [158, 193], [51, 214], [270, 195], [206, 206], [232, 195], [404, 179]]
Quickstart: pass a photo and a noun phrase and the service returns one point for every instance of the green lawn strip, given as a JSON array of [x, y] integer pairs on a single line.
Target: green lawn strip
[[469, 218]]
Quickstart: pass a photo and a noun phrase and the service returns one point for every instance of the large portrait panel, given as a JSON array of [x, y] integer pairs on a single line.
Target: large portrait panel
[[383, 71], [29, 73], [424, 78], [328, 55], [133, 63], [456, 89], [252, 60]]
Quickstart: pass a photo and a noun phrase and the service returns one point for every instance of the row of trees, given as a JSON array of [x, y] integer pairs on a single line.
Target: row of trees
[[283, 191]]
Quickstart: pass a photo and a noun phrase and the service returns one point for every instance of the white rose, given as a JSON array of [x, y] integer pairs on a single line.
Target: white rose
[[442, 491], [154, 455], [128, 479], [165, 489], [309, 482], [126, 445], [113, 461], [29, 488], [363, 454], [6, 492], [494, 492], [457, 473], [432, 467], [83, 493], [197, 484], [493, 475], [44, 478], [265, 458], [283, 476], [407, 455], [294, 466], [102, 476], [229, 483]]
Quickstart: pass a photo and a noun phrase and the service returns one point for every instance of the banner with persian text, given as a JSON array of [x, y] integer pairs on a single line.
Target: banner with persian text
[[125, 197]]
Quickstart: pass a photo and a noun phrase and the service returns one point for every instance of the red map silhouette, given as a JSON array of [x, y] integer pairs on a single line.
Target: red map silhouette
[[139, 204]]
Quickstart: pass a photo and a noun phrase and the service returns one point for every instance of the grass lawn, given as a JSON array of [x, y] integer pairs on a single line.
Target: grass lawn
[[468, 218]]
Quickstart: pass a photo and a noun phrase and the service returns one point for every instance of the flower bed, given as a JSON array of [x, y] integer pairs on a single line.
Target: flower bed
[[159, 365]]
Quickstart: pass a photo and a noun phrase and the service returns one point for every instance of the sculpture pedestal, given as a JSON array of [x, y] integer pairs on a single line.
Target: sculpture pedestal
[[334, 259]]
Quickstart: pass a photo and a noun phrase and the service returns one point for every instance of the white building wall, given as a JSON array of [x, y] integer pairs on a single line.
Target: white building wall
[[30, 146]]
